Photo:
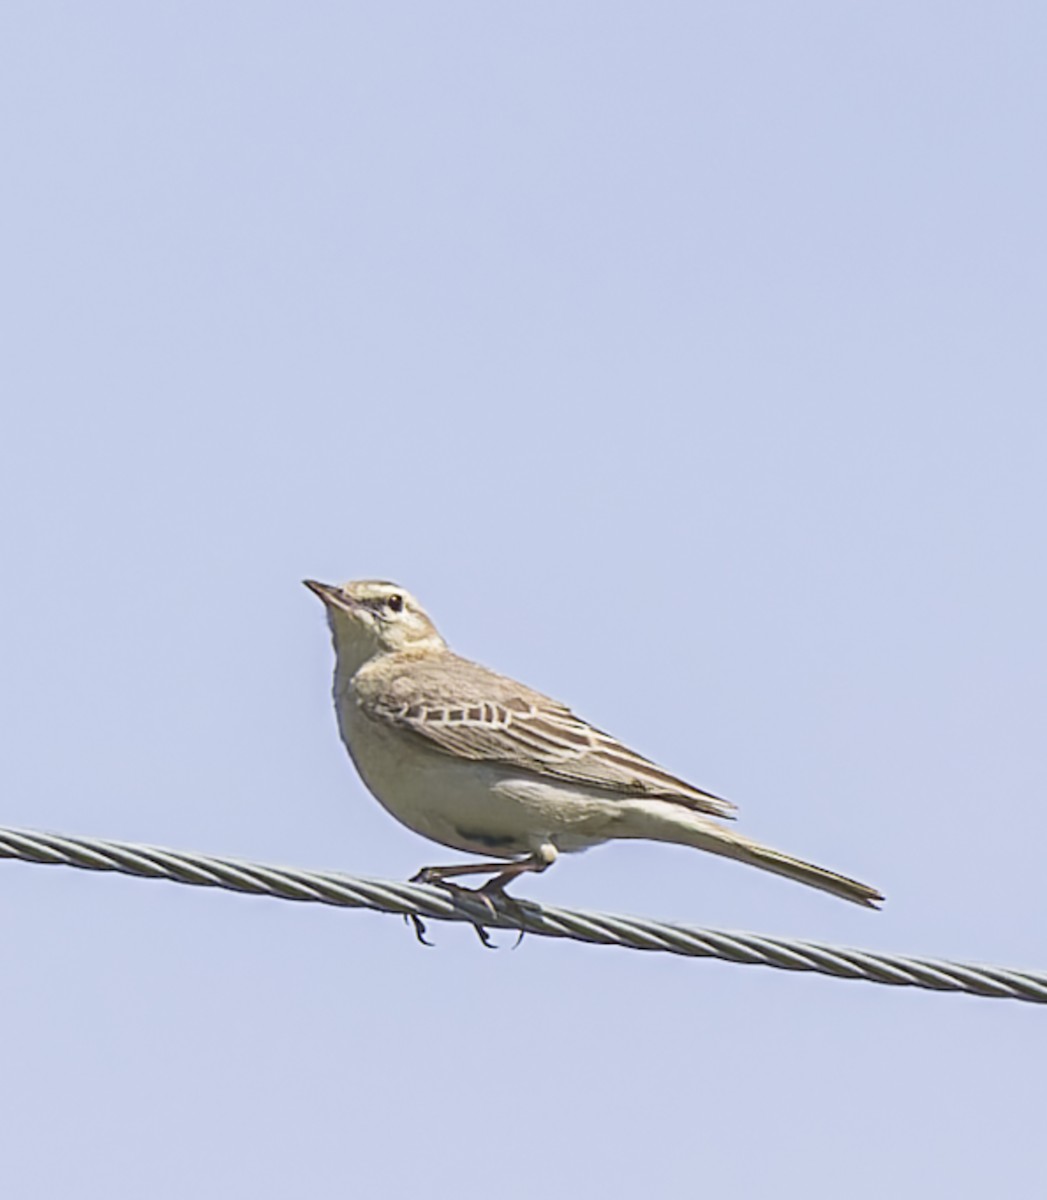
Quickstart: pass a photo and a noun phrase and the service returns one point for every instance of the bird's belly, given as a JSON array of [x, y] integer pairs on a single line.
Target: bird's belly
[[479, 807]]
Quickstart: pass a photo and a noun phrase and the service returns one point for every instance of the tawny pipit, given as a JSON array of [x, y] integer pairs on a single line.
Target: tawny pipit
[[481, 763]]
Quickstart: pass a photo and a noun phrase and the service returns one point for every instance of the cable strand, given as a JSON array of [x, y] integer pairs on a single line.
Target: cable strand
[[433, 902]]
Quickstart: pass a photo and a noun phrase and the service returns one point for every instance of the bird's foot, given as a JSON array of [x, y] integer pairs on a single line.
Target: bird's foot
[[431, 875], [492, 895]]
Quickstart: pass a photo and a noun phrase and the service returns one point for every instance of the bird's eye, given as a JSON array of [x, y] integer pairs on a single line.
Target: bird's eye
[[396, 602]]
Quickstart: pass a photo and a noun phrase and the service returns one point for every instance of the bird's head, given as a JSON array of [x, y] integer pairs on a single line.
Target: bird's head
[[372, 616]]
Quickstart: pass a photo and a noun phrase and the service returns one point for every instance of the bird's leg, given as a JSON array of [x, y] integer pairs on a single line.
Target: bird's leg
[[541, 860], [439, 874], [538, 861]]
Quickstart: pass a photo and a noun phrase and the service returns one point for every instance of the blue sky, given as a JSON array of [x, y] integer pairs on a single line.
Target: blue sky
[[688, 362]]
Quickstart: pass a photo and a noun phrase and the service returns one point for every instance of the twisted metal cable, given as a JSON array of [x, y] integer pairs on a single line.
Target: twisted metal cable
[[415, 901]]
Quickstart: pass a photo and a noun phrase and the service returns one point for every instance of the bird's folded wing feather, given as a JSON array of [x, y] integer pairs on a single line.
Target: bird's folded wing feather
[[472, 713]]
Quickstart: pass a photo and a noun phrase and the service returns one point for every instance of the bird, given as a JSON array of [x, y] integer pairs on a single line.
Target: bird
[[480, 763]]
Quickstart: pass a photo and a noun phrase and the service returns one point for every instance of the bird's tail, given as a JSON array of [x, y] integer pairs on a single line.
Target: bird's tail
[[663, 821]]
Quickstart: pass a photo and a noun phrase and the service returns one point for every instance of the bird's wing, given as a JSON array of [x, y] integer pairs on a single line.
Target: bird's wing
[[469, 712]]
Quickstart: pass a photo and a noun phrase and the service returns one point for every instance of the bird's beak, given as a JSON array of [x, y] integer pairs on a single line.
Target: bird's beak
[[332, 596]]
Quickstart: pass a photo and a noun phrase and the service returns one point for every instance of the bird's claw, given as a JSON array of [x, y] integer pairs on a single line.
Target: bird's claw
[[419, 928], [506, 906], [485, 937]]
